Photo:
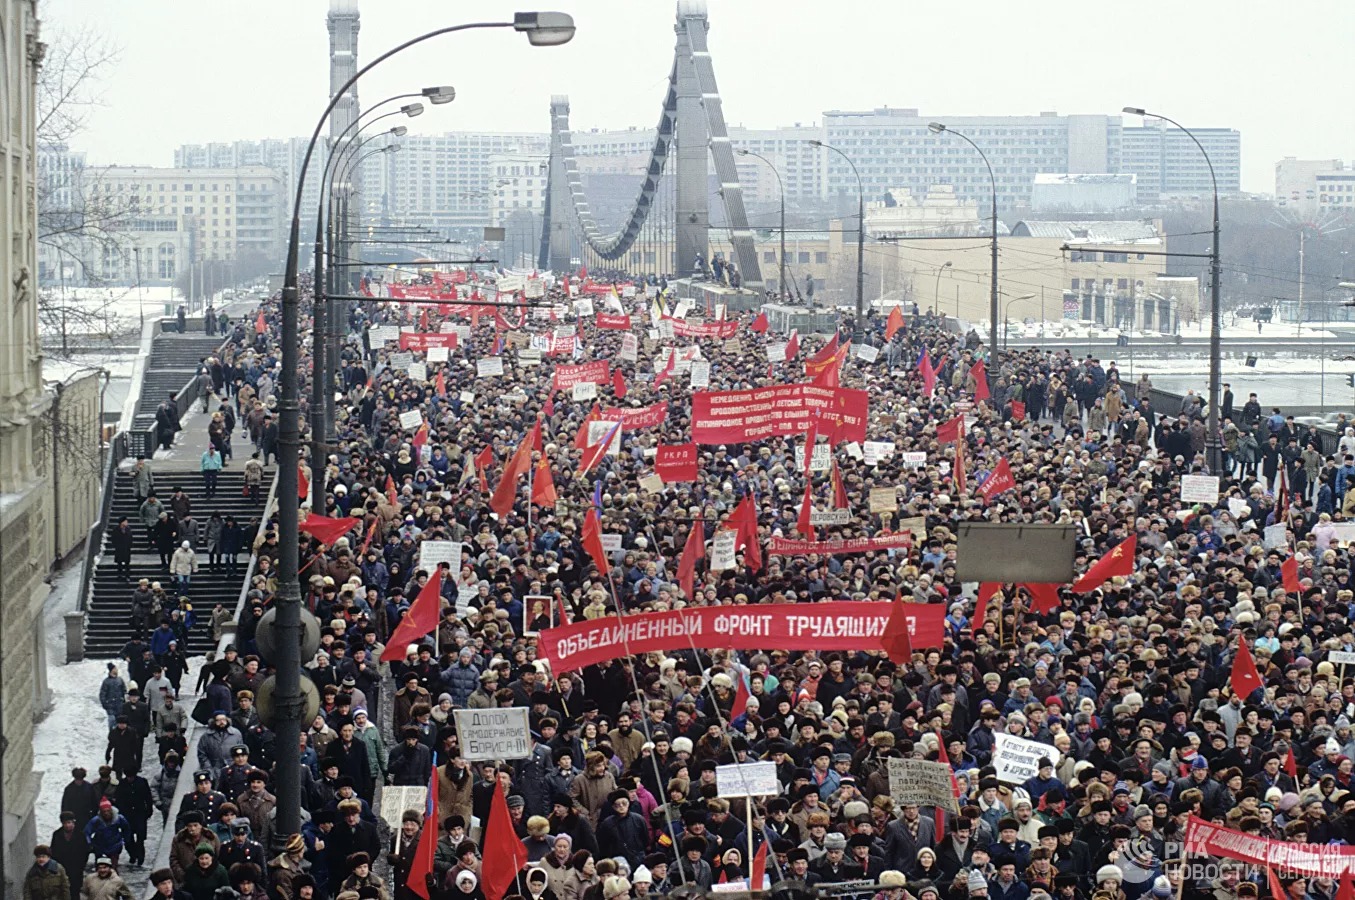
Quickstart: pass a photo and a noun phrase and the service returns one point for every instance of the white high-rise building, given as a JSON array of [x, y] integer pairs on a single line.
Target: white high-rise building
[[1315, 184], [445, 181], [1169, 165]]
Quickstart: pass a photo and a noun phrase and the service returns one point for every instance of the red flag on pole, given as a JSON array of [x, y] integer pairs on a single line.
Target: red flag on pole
[[420, 619], [422, 866], [592, 541], [668, 368], [980, 373], [998, 481], [744, 519], [367, 541], [987, 590], [548, 408], [760, 324], [581, 439], [326, 529], [839, 489], [391, 493], [504, 854], [543, 486], [897, 641], [759, 871], [893, 323], [949, 432], [960, 484], [440, 384], [1346, 888], [506, 492], [793, 346], [1244, 678], [805, 523], [741, 697], [1043, 597], [594, 453], [260, 325], [618, 384], [1289, 572], [1291, 767], [1277, 890], [692, 551], [1119, 561]]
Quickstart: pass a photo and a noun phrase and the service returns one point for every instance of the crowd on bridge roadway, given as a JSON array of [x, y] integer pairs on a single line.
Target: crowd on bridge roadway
[[1128, 684]]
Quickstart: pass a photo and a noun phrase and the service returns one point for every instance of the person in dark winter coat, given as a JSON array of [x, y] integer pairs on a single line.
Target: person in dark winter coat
[[80, 798], [350, 835], [135, 802], [350, 755], [107, 832], [121, 539], [623, 833], [124, 747], [46, 879], [69, 848], [410, 762], [202, 880]]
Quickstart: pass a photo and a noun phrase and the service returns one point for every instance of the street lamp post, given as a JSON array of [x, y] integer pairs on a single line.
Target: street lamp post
[[936, 294], [781, 189], [860, 233], [1006, 314], [542, 29], [1213, 450], [939, 128]]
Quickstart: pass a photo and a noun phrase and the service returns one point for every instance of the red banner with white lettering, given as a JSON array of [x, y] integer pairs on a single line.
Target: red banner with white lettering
[[724, 417], [682, 328], [568, 376], [1313, 860], [613, 322], [644, 417], [676, 463], [837, 625], [413, 340], [788, 547]]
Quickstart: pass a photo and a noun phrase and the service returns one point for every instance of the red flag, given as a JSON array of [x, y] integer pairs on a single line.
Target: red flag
[[618, 384], [1244, 678], [1289, 572], [595, 452], [548, 408], [328, 530], [485, 458], [924, 367], [741, 698], [367, 541], [1119, 561], [260, 325], [943, 757], [506, 493], [420, 438], [811, 439], [692, 551], [1043, 597], [839, 489], [998, 481], [1277, 890], [422, 866], [724, 876], [897, 641], [987, 590], [960, 484], [760, 324], [420, 619], [504, 855], [440, 384], [949, 432], [826, 352], [980, 374], [805, 523], [1346, 889], [745, 520], [1291, 767], [543, 486], [759, 871], [893, 323], [391, 494], [1018, 411], [581, 439], [668, 368], [592, 540], [303, 484], [793, 346]]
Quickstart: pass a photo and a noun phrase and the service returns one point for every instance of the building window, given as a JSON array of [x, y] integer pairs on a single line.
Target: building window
[[1075, 283], [803, 256], [769, 256], [821, 257]]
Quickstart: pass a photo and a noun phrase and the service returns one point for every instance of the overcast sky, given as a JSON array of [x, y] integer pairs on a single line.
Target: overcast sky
[[192, 71]]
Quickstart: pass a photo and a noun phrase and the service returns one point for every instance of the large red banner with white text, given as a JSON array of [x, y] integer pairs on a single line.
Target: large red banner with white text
[[722, 417], [613, 322], [568, 376], [1314, 860], [412, 340], [682, 328], [788, 547], [644, 417], [838, 625], [676, 463]]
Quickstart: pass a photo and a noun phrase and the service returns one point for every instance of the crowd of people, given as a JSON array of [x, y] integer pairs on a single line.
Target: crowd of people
[[1127, 684]]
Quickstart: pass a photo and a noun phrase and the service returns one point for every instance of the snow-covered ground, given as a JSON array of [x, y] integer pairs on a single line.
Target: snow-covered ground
[[1243, 328]]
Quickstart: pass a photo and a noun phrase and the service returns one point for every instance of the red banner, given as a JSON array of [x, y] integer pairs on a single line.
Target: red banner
[[604, 288], [837, 625], [568, 376], [1313, 860], [413, 340], [613, 322], [630, 417], [676, 463], [788, 547], [682, 328], [723, 417]]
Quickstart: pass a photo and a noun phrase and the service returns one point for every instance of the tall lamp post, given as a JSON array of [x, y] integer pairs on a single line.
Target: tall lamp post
[[1213, 449], [1006, 313], [542, 29], [860, 232], [781, 189], [936, 294], [939, 128]]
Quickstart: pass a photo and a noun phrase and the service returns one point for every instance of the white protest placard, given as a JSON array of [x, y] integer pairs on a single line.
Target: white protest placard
[[627, 290], [685, 304], [867, 353], [1239, 508], [418, 372], [914, 459], [722, 550], [854, 450], [488, 366], [651, 291], [830, 517], [1017, 759], [583, 307], [382, 333], [1343, 532], [822, 461], [494, 734], [700, 374], [402, 360], [922, 782], [433, 552], [884, 499], [665, 329], [467, 396], [585, 390], [462, 333], [565, 331], [611, 543], [411, 420], [721, 311], [878, 451], [598, 430], [1275, 536], [753, 779], [529, 356], [776, 352], [916, 526], [1341, 657], [446, 327], [731, 345], [630, 347], [509, 284], [396, 800], [534, 289], [1199, 488], [438, 354], [464, 595]]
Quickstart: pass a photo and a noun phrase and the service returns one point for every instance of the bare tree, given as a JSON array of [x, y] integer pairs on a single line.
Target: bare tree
[[70, 84]]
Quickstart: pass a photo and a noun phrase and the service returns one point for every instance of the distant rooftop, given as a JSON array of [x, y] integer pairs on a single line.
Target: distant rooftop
[[1067, 178], [1090, 232]]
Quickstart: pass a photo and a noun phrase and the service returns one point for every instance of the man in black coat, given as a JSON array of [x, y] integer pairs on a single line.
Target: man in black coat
[[124, 747], [133, 799], [80, 798], [71, 850], [350, 835], [623, 833], [120, 539], [410, 762]]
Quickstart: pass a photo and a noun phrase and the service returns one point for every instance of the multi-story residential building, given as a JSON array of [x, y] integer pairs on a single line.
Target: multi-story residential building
[[894, 148], [61, 179], [1168, 164], [444, 180], [1315, 184]]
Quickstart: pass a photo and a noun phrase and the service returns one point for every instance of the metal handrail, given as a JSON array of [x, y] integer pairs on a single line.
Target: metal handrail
[[94, 537]]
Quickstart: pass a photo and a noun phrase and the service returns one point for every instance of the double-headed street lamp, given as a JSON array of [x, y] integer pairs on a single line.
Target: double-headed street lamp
[[860, 233], [542, 29], [1213, 449], [939, 128], [781, 189]]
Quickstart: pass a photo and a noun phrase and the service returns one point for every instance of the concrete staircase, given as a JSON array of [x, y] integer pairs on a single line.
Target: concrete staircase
[[173, 363]]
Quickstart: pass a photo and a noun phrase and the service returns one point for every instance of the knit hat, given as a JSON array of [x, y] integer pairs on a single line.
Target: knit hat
[[976, 882], [834, 841], [1109, 873], [1162, 887]]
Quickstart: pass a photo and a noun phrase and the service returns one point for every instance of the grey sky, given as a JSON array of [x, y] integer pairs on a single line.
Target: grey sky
[[193, 71]]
